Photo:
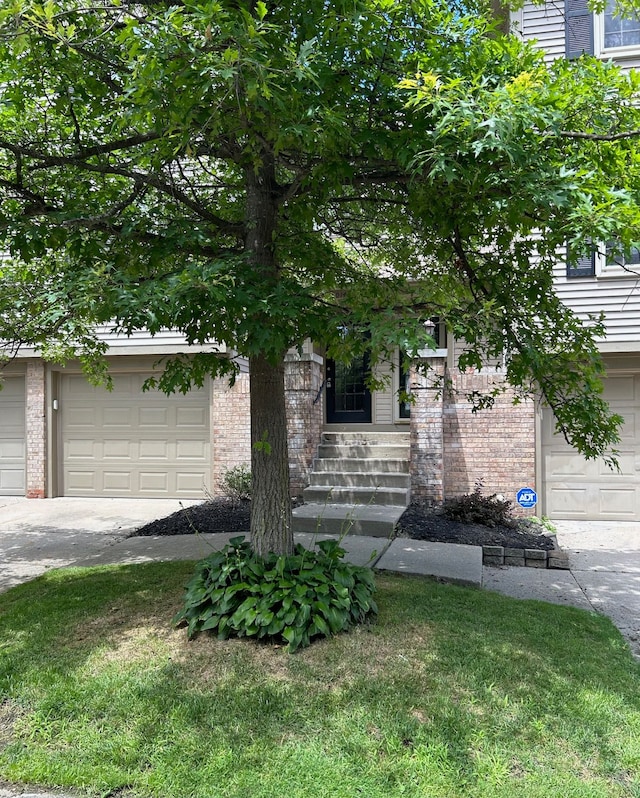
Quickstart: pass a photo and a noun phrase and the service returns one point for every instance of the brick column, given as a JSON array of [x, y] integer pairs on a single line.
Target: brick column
[[230, 427], [36, 430], [303, 387], [427, 447]]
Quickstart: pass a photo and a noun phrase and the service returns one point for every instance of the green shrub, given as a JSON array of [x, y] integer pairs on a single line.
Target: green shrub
[[236, 483], [291, 600], [475, 508]]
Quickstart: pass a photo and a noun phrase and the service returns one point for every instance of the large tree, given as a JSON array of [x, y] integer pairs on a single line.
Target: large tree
[[255, 174]]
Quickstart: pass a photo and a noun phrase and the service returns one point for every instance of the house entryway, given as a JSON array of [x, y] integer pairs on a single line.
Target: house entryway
[[360, 483], [348, 397]]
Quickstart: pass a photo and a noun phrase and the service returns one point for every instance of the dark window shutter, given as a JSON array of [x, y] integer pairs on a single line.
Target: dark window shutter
[[578, 28], [584, 266]]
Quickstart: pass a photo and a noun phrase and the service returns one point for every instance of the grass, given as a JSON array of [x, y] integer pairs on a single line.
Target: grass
[[454, 692]]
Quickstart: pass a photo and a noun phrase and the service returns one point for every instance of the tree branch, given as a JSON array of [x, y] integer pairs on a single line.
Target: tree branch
[[576, 134]]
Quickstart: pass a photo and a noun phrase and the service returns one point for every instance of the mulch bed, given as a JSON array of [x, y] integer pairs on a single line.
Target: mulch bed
[[418, 522]]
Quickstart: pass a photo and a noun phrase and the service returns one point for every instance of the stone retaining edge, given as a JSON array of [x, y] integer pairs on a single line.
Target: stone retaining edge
[[526, 558]]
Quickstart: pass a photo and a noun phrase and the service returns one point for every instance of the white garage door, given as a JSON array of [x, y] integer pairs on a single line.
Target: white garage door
[[588, 489], [128, 443], [12, 437]]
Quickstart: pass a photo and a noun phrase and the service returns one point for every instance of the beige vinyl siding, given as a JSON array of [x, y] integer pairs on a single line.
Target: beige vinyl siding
[[617, 298], [545, 24], [141, 341], [383, 400]]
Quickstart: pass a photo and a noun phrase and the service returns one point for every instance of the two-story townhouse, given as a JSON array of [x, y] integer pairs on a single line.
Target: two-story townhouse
[[59, 436]]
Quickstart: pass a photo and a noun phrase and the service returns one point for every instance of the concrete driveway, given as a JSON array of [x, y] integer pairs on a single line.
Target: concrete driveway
[[39, 534], [36, 535], [605, 562]]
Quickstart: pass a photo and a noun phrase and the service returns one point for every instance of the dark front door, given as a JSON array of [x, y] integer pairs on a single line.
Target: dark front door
[[348, 398]]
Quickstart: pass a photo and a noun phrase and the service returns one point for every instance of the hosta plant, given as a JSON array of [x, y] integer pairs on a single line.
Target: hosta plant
[[284, 599]]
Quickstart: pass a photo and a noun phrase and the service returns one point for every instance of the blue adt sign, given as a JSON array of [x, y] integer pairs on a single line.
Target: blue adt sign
[[527, 497]]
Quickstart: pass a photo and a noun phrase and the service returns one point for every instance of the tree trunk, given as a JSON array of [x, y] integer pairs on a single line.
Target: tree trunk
[[271, 503]]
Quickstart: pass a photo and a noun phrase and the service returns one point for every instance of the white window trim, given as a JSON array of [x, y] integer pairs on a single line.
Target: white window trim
[[605, 270], [629, 51]]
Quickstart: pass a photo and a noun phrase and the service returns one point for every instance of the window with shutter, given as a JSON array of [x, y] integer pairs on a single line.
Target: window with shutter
[[615, 36], [611, 262]]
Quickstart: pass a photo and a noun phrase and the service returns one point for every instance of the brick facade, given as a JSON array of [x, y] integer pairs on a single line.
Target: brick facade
[[453, 448], [36, 444], [230, 427], [496, 446]]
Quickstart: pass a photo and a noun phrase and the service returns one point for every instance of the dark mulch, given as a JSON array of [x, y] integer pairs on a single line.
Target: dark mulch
[[424, 523], [217, 515], [418, 522]]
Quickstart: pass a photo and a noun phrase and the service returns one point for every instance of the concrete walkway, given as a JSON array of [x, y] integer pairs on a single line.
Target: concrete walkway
[[37, 535]]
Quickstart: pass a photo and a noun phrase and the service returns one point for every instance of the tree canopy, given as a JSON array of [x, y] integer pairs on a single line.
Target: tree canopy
[[255, 174]]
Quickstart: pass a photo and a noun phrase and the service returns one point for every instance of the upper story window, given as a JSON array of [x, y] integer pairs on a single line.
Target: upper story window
[[616, 264], [602, 261], [606, 35], [615, 35]]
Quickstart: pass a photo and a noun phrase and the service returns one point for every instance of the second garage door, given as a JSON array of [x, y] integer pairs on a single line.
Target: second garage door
[[128, 443], [589, 489], [12, 437]]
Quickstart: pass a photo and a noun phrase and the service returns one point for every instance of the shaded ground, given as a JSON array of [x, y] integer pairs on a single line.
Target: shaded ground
[[418, 522]]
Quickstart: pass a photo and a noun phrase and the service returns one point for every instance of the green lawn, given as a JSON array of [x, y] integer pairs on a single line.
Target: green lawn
[[454, 692]]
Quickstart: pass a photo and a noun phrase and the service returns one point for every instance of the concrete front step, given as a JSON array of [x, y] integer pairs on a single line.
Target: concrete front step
[[353, 495], [367, 438], [358, 479], [340, 519], [363, 451], [371, 465]]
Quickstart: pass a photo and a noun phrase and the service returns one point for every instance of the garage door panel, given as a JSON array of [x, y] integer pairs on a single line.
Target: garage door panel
[[81, 482], [116, 482], [566, 501], [190, 482], [628, 433], [153, 417], [81, 417], [619, 502], [154, 482], [141, 444], [11, 450], [113, 449], [11, 481], [566, 464], [192, 417], [626, 461], [620, 389], [117, 417], [83, 449], [191, 450], [154, 450]]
